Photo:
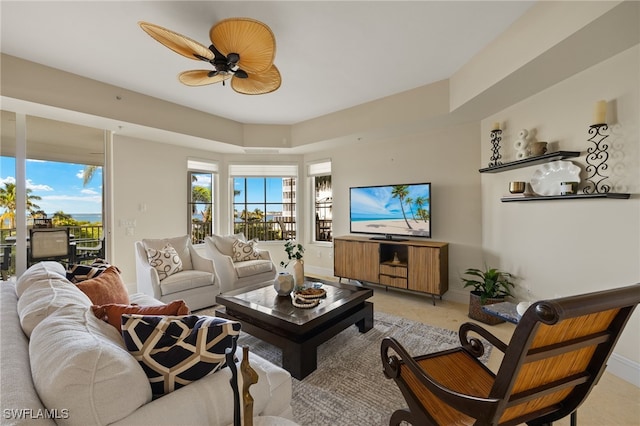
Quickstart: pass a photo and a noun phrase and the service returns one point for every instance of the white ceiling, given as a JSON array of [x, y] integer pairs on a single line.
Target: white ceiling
[[332, 55]]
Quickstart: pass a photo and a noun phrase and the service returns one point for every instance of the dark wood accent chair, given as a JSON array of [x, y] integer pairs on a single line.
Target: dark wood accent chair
[[556, 355]]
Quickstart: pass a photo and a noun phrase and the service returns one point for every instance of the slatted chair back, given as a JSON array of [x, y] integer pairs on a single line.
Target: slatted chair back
[[49, 244], [556, 355]]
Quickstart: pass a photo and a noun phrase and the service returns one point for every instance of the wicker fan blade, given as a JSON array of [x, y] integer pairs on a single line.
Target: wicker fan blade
[[251, 39], [176, 42], [201, 77], [258, 84]]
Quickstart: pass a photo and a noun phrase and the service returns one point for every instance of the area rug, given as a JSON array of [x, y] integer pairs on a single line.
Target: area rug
[[348, 388]]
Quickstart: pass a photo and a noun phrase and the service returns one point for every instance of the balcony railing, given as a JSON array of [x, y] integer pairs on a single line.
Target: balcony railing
[[263, 231]]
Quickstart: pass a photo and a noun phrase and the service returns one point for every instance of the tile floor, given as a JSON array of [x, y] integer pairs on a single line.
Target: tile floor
[[613, 401]]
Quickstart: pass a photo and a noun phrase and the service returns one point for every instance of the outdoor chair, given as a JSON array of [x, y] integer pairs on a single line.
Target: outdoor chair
[[89, 249], [49, 244], [286, 228], [5, 261], [556, 355]]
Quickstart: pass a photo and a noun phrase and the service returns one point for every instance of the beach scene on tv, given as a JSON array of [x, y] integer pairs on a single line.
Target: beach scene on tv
[[391, 209]]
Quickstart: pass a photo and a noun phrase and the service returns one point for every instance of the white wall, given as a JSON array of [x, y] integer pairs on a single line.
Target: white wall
[[150, 188], [445, 157], [150, 191], [566, 247]]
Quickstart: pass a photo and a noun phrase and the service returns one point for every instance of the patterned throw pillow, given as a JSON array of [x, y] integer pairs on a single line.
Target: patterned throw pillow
[[112, 313], [105, 288], [243, 251], [224, 244], [166, 261], [175, 351], [79, 272]]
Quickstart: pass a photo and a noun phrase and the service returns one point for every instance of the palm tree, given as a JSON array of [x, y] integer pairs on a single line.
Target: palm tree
[[257, 215], [88, 173], [409, 202], [8, 201], [400, 192], [422, 213]]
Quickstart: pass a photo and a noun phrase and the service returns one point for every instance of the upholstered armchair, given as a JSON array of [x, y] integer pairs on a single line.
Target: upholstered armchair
[[170, 269], [238, 262]]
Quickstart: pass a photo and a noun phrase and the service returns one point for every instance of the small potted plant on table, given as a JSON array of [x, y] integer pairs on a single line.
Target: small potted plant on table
[[294, 254], [489, 286]]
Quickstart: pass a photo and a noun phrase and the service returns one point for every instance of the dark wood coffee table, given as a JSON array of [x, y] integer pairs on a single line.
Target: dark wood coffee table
[[299, 332]]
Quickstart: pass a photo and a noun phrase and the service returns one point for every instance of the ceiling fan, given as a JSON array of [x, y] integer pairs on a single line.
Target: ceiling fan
[[242, 50]]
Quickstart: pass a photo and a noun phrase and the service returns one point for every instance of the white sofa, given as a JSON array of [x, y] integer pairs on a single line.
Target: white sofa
[[197, 284], [238, 274], [59, 360]]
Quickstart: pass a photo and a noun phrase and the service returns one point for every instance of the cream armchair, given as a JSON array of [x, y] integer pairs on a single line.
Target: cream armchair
[[238, 273], [196, 283]]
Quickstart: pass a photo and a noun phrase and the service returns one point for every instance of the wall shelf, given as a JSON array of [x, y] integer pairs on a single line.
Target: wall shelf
[[531, 161], [620, 196]]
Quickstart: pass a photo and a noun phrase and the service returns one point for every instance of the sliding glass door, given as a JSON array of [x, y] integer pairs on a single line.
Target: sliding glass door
[[51, 177]]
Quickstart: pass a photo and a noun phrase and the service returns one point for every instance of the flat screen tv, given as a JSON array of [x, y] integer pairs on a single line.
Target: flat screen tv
[[391, 211]]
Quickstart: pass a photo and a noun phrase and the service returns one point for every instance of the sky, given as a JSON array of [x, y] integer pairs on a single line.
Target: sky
[[59, 185], [376, 202], [256, 192]]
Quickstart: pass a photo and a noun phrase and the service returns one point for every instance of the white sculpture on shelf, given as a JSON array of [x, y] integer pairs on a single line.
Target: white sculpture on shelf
[[522, 145]]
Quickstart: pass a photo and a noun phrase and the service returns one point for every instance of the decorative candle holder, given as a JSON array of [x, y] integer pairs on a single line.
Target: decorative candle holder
[[495, 148], [596, 159]]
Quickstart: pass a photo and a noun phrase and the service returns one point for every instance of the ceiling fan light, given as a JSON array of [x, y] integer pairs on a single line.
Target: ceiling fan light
[[233, 58]]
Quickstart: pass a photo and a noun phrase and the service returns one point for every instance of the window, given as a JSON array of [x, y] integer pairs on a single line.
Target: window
[[264, 201], [201, 199], [320, 174]]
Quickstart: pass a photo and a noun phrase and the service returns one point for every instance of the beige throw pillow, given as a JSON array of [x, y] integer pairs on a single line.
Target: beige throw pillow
[[224, 244], [166, 261], [243, 251]]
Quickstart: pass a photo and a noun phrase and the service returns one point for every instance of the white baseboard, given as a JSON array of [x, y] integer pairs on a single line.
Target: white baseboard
[[624, 368], [316, 270]]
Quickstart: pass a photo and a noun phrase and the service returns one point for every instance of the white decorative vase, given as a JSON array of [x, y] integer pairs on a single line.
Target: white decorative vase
[[298, 272], [283, 283]]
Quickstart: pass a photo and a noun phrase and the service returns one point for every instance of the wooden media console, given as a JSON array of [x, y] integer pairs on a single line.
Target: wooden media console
[[414, 265]]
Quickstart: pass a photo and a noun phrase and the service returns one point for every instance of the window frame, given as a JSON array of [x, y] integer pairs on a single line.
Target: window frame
[[315, 170], [268, 228], [202, 167]]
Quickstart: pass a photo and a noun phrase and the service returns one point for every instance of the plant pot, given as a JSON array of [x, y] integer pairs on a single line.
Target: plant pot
[[476, 312]]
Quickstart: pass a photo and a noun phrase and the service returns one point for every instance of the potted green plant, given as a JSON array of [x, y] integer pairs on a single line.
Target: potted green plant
[[489, 286], [294, 254]]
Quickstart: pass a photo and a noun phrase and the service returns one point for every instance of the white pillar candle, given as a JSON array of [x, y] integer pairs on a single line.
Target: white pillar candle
[[496, 126], [600, 114]]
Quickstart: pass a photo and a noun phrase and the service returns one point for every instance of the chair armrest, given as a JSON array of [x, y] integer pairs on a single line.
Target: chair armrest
[[147, 279], [225, 268], [199, 262], [264, 254], [468, 404], [474, 345]]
